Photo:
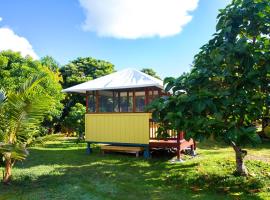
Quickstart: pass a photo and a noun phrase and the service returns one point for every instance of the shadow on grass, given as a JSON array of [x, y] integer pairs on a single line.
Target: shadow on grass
[[109, 182], [216, 145], [121, 176], [63, 145]]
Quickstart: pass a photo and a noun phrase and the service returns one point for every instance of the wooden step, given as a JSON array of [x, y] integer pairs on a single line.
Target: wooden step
[[125, 149]]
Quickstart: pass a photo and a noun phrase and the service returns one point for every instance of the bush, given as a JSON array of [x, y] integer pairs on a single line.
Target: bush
[[74, 121]]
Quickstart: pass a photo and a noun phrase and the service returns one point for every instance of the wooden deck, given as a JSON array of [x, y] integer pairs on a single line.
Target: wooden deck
[[176, 140]]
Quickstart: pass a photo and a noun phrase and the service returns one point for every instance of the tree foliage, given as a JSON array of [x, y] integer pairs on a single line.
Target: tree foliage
[[150, 72], [74, 121], [84, 69], [50, 62], [21, 113], [228, 88], [15, 70]]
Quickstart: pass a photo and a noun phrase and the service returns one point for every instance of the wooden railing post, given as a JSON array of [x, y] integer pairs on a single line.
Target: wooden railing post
[[178, 146], [181, 135], [150, 129]]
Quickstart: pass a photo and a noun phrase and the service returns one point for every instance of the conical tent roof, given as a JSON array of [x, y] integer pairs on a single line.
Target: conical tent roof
[[127, 78]]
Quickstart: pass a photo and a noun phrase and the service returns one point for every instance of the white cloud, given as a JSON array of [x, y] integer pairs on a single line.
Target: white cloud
[[1, 19], [133, 19], [11, 41]]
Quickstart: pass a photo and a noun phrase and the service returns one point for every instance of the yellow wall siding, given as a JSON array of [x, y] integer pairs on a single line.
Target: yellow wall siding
[[118, 127]]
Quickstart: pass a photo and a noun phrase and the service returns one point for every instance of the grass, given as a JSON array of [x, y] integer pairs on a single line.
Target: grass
[[61, 170]]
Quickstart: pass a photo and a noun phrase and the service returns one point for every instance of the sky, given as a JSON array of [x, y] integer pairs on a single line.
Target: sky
[[161, 34]]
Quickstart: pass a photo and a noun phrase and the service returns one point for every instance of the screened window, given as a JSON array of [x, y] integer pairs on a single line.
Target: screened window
[[115, 102], [105, 103], [91, 102], [140, 101], [120, 101], [152, 95], [130, 101], [123, 100]]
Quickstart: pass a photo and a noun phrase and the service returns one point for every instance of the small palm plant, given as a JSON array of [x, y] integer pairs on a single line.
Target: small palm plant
[[21, 113]]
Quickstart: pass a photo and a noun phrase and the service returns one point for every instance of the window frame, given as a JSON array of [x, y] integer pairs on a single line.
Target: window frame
[[148, 97]]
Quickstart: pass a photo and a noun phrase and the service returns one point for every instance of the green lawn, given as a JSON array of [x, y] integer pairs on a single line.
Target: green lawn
[[62, 170]]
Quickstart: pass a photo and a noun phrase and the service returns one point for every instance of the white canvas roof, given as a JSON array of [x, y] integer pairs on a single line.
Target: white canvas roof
[[127, 78]]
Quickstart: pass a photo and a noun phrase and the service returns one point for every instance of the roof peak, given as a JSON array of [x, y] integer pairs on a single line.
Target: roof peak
[[123, 79]]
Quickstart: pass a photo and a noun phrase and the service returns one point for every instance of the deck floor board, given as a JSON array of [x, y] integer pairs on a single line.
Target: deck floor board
[[124, 149]]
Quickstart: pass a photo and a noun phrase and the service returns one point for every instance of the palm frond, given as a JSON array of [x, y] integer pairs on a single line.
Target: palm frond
[[32, 83], [13, 151], [26, 110]]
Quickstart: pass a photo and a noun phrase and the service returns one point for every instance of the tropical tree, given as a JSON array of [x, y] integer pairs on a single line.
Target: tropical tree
[[52, 122], [227, 90], [50, 62], [81, 70], [15, 71], [84, 69], [150, 72], [78, 71], [21, 113]]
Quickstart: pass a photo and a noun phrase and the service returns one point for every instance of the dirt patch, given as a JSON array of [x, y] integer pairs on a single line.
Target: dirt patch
[[263, 158]]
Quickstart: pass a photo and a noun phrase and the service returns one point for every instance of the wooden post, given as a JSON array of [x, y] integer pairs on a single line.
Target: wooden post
[[146, 101], [193, 148], [127, 100], [119, 103], [113, 101], [86, 102], [149, 129], [182, 135], [152, 94], [178, 147], [134, 102], [159, 92], [146, 153], [97, 102], [88, 150]]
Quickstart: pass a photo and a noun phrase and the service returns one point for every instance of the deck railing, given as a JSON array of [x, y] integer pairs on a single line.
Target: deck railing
[[153, 135], [174, 140]]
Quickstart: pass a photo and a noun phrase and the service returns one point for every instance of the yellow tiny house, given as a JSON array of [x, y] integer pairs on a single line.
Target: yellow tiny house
[[115, 108], [115, 112]]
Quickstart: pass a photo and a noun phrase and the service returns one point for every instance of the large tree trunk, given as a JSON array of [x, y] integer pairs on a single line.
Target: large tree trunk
[[240, 165], [7, 175]]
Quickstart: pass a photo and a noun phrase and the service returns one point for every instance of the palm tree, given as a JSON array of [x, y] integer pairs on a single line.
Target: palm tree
[[20, 114]]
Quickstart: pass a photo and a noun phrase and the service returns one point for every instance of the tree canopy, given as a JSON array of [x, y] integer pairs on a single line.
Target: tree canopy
[[50, 62], [84, 69], [15, 70], [150, 72], [228, 88]]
